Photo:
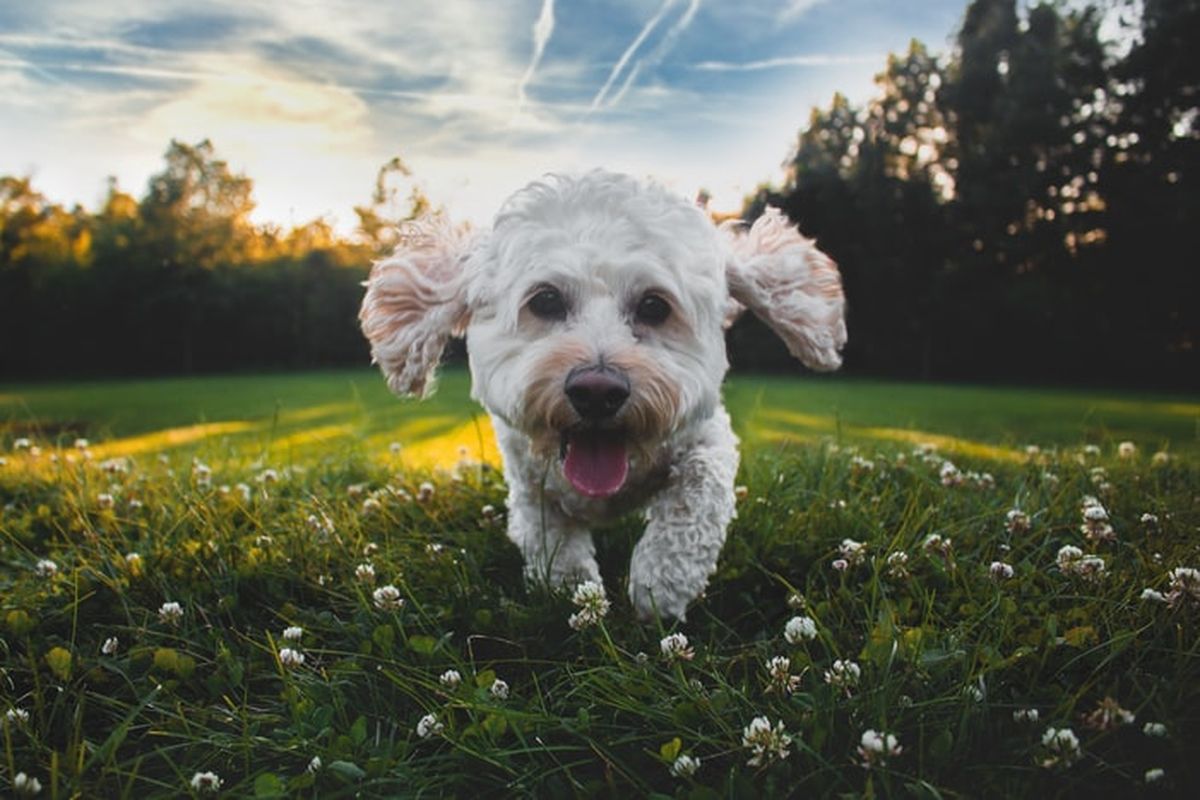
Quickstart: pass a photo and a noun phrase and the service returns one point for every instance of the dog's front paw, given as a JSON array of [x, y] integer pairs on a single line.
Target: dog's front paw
[[562, 571], [655, 597]]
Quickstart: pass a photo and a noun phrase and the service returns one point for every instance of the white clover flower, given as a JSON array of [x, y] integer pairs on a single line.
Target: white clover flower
[[244, 490], [356, 489], [859, 465], [684, 766], [1126, 450], [1095, 527], [1155, 729], [877, 747], [840, 564], [111, 645], [1091, 450], [1153, 596], [1068, 556], [314, 766], [1025, 715], [320, 523], [1000, 571], [1155, 774], [26, 785], [293, 633], [1091, 568], [425, 492], [766, 744], [1017, 521], [844, 675], [170, 612], [800, 629], [365, 573], [387, 598], [35, 451], [675, 648], [17, 715], [1161, 458], [741, 492], [135, 504], [981, 480], [21, 444], [267, 476], [81, 444], [1032, 450], [45, 568], [852, 551], [499, 689], [779, 676], [115, 466], [371, 505], [1062, 746], [451, 679], [105, 500], [950, 474], [290, 658], [897, 565], [592, 602], [394, 448], [1050, 479], [206, 782], [1184, 587], [429, 726]]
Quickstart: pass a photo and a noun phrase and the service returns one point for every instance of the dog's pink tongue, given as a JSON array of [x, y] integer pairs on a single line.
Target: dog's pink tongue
[[595, 465]]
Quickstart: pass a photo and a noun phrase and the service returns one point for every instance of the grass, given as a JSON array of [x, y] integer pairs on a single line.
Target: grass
[[252, 502]]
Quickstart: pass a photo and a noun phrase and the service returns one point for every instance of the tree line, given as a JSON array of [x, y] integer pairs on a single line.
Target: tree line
[[1019, 208], [1023, 208]]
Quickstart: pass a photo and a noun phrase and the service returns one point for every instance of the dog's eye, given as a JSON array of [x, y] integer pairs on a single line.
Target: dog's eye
[[652, 310], [548, 303]]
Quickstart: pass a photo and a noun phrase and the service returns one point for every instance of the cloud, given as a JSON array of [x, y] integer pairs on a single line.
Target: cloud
[[543, 28]]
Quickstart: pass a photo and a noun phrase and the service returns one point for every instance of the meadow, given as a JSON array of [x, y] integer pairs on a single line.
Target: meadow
[[299, 586]]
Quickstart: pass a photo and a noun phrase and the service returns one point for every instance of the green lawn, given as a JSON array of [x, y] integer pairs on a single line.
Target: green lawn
[[977, 634], [307, 412]]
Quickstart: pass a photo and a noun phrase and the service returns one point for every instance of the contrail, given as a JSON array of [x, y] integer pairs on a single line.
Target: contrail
[[664, 47], [786, 61], [629, 51], [542, 29]]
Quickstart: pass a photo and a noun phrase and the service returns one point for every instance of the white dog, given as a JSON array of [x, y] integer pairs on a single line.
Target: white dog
[[594, 312]]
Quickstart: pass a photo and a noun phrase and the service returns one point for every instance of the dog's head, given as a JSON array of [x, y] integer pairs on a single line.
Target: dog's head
[[594, 312]]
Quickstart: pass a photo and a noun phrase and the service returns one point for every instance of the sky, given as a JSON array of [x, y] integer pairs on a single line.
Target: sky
[[477, 97]]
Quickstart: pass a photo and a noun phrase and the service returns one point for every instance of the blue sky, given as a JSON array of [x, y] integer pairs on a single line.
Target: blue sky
[[310, 98]]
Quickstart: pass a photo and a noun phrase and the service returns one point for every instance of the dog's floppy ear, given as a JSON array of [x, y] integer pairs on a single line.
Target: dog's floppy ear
[[415, 301], [790, 285]]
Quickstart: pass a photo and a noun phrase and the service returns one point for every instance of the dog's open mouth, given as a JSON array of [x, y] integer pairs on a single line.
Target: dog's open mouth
[[595, 461]]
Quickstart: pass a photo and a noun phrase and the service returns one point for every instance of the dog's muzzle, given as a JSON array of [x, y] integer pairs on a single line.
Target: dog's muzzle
[[595, 461], [596, 393]]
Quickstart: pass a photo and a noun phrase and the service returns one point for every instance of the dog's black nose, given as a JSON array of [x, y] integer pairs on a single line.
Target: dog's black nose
[[597, 393]]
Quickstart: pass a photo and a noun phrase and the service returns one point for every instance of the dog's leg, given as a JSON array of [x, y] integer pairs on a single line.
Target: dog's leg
[[557, 551], [686, 525]]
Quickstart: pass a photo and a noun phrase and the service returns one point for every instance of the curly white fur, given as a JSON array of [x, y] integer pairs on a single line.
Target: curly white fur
[[603, 243]]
